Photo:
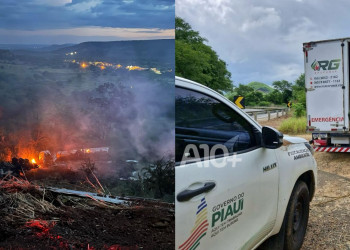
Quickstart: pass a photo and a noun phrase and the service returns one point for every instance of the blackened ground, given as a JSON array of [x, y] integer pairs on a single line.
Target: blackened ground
[[81, 223]]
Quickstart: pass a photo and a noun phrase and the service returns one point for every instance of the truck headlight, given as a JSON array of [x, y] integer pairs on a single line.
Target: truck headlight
[[310, 148]]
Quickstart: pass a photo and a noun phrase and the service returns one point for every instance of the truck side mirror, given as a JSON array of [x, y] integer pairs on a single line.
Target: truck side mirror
[[271, 138]]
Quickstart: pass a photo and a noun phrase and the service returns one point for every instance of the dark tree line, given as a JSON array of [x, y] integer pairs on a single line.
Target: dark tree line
[[197, 61]]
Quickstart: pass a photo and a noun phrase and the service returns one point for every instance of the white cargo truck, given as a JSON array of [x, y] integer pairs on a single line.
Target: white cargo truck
[[327, 94]]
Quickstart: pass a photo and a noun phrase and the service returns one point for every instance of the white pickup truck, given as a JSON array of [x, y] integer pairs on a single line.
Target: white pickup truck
[[238, 185]]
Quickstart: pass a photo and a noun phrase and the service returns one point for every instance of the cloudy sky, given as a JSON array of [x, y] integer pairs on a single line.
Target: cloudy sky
[[262, 40], [74, 21]]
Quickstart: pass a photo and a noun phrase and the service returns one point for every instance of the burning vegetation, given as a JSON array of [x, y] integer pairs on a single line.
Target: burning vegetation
[[107, 115], [78, 169], [104, 65], [102, 133], [110, 215], [17, 167]]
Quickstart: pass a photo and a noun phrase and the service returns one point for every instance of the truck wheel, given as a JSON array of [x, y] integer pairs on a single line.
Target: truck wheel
[[296, 217], [292, 232]]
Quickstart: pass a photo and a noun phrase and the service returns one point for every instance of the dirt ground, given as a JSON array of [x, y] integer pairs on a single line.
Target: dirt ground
[[33, 219], [329, 221]]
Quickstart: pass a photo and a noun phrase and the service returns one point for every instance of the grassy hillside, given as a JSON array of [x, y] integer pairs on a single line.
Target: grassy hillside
[[262, 87], [145, 53], [47, 97]]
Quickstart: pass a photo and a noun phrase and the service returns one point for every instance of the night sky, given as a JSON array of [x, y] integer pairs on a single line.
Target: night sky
[[74, 21]]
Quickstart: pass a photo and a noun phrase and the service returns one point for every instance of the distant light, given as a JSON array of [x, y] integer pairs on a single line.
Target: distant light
[[83, 65], [155, 70]]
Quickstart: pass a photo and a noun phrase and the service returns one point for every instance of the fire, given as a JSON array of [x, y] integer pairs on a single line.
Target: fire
[[131, 67], [33, 161], [102, 67], [83, 65], [155, 70], [43, 228]]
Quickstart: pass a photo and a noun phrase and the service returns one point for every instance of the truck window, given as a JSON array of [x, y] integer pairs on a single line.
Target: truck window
[[201, 119]]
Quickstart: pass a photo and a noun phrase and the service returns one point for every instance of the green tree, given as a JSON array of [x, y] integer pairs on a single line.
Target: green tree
[[285, 88], [299, 110], [243, 90], [197, 61], [185, 33], [252, 96], [300, 81], [299, 94], [159, 177], [275, 97], [282, 85]]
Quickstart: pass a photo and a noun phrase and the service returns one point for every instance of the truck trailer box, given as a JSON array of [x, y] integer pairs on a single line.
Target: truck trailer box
[[327, 90], [327, 85]]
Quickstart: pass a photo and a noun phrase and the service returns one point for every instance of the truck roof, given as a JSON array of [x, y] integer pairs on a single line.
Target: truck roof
[[328, 40]]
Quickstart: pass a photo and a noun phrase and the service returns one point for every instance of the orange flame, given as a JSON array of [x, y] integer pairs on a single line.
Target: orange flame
[[83, 65], [33, 161]]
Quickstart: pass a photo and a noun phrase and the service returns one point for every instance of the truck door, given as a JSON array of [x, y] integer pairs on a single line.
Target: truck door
[[326, 85], [223, 201]]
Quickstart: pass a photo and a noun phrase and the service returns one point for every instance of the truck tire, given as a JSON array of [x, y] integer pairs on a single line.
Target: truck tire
[[296, 217]]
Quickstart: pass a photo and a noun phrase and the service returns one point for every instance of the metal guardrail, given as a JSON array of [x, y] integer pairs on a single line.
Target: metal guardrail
[[268, 111]]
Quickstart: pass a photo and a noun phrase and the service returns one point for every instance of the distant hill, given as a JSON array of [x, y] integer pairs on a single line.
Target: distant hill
[[262, 87], [34, 47], [22, 46], [55, 47], [143, 52]]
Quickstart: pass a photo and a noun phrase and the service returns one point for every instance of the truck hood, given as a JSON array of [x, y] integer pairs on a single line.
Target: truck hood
[[293, 140]]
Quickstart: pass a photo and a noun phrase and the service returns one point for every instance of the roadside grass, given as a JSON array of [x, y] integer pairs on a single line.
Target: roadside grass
[[293, 125]]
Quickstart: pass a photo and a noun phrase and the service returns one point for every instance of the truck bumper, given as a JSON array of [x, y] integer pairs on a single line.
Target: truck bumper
[[332, 149]]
